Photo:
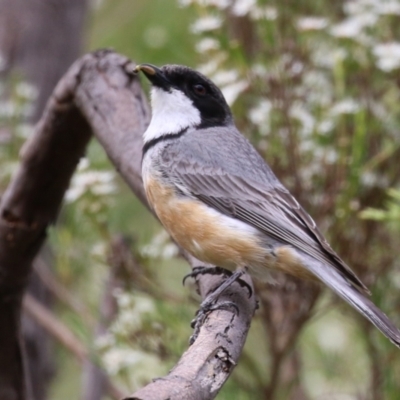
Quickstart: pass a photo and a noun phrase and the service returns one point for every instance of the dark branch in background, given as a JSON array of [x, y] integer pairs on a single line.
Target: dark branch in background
[[99, 93], [39, 40], [61, 293], [66, 337], [29, 205]]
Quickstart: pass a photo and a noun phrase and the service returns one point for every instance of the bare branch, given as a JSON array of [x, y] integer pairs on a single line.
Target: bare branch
[[99, 92], [60, 292], [30, 203], [55, 327], [64, 335]]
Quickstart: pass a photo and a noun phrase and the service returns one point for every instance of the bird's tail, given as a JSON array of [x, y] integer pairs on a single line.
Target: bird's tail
[[334, 280]]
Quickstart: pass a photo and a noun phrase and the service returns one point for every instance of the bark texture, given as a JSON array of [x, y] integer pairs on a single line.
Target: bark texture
[[99, 94], [39, 40]]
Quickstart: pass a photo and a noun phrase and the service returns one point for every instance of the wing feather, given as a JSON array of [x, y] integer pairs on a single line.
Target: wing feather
[[274, 211]]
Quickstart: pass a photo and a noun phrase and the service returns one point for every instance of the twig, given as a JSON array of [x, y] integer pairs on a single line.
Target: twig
[[55, 327], [64, 335], [60, 292]]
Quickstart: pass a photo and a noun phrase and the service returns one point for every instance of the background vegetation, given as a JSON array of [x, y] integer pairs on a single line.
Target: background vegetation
[[315, 86]]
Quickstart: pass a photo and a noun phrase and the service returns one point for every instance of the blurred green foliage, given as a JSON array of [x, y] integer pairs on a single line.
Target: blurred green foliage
[[147, 31], [390, 214]]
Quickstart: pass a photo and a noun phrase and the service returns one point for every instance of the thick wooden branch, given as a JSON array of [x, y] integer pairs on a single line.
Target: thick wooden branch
[[100, 94], [29, 205]]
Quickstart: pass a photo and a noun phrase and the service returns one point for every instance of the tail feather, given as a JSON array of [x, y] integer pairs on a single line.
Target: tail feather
[[357, 300]]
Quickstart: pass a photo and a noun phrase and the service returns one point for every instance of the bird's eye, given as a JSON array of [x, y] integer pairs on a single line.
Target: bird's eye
[[199, 89]]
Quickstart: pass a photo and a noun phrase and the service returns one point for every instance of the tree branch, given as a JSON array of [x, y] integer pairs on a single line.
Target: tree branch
[[101, 94], [63, 334]]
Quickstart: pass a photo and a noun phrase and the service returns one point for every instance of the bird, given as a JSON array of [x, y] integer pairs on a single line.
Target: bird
[[219, 200]]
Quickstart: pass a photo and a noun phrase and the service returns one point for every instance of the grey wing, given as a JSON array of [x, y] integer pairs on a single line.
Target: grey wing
[[273, 210]]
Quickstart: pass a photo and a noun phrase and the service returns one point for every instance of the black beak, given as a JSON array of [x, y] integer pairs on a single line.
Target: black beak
[[154, 75]]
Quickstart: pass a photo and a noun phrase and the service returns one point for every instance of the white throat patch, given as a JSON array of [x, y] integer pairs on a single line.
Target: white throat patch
[[171, 112]]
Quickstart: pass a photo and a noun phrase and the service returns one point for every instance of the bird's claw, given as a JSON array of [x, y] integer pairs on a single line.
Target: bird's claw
[[217, 271], [206, 309], [206, 271], [209, 303]]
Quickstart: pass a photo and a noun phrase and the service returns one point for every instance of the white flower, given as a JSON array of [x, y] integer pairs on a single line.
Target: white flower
[[83, 164], [220, 4], [207, 44], [353, 26], [225, 77], [296, 68], [103, 189], [133, 309], [259, 70], [382, 7], [232, 91], [26, 90], [243, 7], [389, 7], [311, 23], [317, 88], [372, 179], [260, 116], [104, 341], [346, 106], [140, 304], [99, 250], [299, 112], [347, 29], [205, 24], [160, 247], [358, 7], [25, 130], [116, 359], [185, 3], [8, 109], [331, 156], [326, 56], [325, 126], [388, 56], [213, 64], [98, 182], [138, 366], [268, 13]]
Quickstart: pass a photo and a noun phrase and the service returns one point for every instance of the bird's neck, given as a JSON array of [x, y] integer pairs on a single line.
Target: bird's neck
[[172, 112]]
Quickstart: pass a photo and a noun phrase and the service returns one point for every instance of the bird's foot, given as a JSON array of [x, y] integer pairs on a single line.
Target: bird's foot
[[218, 271], [206, 271], [203, 312], [208, 304]]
